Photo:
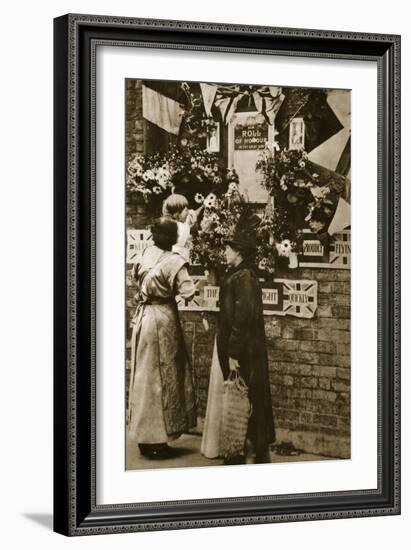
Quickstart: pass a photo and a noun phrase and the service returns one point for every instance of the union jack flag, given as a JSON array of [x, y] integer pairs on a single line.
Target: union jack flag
[[137, 240], [299, 298]]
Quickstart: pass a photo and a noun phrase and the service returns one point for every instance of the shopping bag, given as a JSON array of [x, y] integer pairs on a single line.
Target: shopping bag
[[236, 411]]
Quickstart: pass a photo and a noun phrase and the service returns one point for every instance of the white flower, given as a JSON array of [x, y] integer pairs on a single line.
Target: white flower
[[233, 188], [148, 175], [162, 181], [284, 248], [199, 198], [301, 163], [210, 200], [157, 189]]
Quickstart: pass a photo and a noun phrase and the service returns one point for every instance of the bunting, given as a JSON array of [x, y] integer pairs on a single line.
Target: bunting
[[161, 110], [267, 99]]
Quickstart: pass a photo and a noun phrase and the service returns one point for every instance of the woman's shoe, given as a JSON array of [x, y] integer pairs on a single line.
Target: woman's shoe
[[157, 451], [234, 460]]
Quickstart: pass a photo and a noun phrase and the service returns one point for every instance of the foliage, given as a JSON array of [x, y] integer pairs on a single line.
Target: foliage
[[301, 196]]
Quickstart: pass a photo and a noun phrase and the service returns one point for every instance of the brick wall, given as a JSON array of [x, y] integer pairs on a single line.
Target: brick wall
[[134, 118]]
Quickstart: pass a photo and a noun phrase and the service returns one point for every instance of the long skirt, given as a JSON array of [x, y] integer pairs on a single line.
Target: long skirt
[[211, 431], [161, 401]]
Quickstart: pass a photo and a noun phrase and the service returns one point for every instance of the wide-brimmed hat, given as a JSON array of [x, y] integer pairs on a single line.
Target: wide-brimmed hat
[[244, 242], [245, 235]]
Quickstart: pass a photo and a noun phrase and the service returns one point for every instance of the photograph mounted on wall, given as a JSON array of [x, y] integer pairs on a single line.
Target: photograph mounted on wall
[[238, 277]]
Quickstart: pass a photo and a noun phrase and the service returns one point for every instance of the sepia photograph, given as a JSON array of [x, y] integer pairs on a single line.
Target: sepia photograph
[[237, 275]]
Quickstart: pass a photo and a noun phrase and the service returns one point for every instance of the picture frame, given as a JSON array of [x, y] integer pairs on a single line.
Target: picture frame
[[76, 511]]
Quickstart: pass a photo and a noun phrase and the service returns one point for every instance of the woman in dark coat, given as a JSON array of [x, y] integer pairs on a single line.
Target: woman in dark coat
[[241, 341]]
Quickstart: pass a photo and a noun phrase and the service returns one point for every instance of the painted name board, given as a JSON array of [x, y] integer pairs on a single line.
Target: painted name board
[[333, 253]]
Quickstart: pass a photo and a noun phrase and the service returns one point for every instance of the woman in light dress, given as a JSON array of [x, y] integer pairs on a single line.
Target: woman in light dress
[[161, 396]]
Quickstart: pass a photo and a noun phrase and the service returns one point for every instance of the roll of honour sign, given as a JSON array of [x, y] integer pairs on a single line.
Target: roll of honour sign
[[250, 137]]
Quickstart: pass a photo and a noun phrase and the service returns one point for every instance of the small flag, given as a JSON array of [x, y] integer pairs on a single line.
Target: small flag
[[342, 217], [208, 92], [162, 110]]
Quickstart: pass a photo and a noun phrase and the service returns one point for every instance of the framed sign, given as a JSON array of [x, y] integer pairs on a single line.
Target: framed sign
[[155, 117]]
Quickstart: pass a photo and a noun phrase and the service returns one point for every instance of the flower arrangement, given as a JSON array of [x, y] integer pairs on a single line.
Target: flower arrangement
[[192, 172], [218, 224], [150, 177], [304, 194]]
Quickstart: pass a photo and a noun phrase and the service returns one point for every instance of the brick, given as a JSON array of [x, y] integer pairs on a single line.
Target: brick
[[301, 393], [343, 312], [287, 414], [272, 330], [325, 430], [331, 359], [324, 311], [344, 397], [306, 334], [276, 379], [306, 357], [312, 428], [280, 355], [334, 288], [315, 345], [340, 386], [321, 406], [325, 395], [288, 345], [343, 349], [325, 420], [327, 275], [288, 380], [306, 418], [308, 382], [343, 275], [343, 373], [344, 424], [297, 369], [324, 383], [341, 336], [287, 425], [334, 299], [288, 332]]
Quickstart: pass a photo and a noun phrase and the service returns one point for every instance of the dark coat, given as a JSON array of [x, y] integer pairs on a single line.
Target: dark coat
[[241, 335]]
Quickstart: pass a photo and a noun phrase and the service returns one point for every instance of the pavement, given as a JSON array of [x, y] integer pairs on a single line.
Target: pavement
[[189, 456]]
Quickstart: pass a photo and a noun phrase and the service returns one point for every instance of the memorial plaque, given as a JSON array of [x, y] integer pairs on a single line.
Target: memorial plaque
[[250, 137]]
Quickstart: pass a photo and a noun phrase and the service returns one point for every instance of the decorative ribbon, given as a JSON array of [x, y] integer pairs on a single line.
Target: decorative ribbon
[[267, 99]]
